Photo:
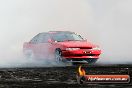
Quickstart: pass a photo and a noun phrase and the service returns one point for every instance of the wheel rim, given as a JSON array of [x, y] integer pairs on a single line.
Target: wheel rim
[[58, 57]]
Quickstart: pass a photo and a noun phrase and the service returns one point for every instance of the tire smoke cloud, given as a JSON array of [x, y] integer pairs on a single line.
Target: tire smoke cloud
[[106, 23]]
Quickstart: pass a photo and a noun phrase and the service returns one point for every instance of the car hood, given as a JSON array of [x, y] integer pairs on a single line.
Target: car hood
[[76, 44]]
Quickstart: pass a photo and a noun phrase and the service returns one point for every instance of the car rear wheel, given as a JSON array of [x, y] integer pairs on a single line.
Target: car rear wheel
[[29, 54]]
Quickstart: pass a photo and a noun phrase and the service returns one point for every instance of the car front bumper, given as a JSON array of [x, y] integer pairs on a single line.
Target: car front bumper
[[81, 54]]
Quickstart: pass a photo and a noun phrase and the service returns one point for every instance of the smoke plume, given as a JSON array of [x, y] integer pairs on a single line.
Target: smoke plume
[[103, 22]]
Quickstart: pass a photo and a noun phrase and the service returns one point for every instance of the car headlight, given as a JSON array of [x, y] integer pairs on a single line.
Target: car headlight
[[96, 48], [72, 48]]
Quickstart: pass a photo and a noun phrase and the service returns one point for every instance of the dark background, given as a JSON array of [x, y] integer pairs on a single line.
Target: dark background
[[60, 77]]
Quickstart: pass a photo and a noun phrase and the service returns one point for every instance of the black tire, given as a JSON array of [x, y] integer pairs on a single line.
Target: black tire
[[58, 57]]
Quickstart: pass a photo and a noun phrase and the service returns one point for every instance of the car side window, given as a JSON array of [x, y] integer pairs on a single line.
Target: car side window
[[34, 39], [59, 37], [43, 38]]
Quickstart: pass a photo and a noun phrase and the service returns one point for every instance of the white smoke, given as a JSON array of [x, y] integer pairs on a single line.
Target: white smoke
[[115, 26], [104, 22]]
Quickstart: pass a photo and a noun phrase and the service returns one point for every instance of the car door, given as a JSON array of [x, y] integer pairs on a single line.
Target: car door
[[33, 45], [43, 46]]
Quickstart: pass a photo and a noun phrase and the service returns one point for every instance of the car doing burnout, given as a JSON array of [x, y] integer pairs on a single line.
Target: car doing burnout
[[62, 46]]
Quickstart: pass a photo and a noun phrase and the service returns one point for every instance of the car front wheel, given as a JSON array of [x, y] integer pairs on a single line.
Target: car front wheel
[[58, 57]]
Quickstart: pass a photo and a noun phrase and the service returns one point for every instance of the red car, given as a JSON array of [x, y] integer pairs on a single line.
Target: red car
[[63, 46]]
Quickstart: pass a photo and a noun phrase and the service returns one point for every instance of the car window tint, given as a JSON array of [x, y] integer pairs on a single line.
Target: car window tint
[[34, 39], [66, 36], [43, 38], [59, 37]]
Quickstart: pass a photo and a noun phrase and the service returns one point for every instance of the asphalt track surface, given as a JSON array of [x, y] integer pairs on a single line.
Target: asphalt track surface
[[59, 77]]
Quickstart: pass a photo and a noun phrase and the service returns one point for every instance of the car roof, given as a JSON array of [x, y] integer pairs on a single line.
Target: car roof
[[52, 32], [60, 32]]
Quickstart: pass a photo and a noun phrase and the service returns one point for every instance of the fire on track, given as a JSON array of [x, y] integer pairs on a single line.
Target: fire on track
[[59, 76]]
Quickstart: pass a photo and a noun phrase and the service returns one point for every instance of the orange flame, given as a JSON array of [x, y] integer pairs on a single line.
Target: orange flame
[[81, 71]]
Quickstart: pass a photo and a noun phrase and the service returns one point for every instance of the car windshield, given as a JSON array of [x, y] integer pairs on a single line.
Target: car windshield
[[66, 37]]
